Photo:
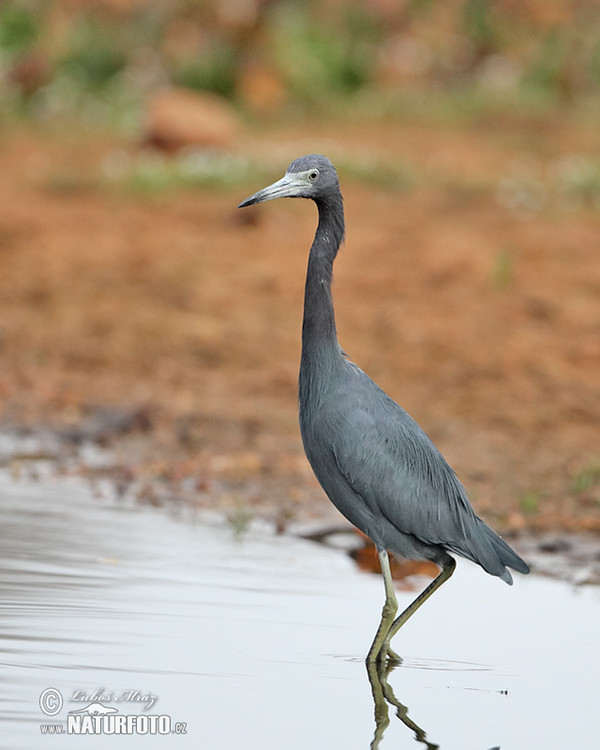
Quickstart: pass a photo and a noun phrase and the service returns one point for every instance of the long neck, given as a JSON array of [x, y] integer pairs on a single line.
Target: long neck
[[320, 348]]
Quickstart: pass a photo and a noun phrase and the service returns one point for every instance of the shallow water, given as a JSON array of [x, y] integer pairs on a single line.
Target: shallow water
[[260, 642]]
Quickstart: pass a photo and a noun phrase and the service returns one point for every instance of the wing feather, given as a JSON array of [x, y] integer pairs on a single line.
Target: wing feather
[[390, 462]]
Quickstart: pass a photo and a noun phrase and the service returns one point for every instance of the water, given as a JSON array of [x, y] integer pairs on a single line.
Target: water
[[259, 643]]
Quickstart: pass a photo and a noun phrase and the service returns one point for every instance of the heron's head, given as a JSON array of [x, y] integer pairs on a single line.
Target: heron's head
[[311, 176]]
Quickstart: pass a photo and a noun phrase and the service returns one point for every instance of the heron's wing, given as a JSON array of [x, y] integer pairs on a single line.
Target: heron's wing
[[390, 462]]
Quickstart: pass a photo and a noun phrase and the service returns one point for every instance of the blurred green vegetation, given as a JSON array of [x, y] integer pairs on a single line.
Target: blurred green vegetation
[[587, 479], [530, 502], [98, 60], [152, 172]]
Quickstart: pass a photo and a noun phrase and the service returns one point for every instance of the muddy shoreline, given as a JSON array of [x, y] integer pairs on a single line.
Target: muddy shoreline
[[98, 458]]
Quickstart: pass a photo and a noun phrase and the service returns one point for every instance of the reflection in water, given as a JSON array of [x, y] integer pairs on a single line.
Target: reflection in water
[[382, 695]]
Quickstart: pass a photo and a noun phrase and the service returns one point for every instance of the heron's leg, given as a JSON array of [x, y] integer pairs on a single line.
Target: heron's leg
[[446, 572], [389, 609]]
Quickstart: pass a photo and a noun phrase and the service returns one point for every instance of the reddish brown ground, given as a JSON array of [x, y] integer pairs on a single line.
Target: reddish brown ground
[[483, 324]]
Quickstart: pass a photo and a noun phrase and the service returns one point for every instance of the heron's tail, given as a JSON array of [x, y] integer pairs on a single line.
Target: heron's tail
[[489, 550]]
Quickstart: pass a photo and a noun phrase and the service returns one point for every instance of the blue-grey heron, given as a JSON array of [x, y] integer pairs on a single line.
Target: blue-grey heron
[[372, 459]]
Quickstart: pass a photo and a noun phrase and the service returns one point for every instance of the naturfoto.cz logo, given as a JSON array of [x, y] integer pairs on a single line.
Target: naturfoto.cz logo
[[97, 718]]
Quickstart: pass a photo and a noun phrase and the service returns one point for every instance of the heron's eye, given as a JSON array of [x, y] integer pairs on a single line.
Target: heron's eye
[[313, 175]]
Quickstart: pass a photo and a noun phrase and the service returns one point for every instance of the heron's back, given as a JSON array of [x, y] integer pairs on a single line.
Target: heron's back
[[386, 476]]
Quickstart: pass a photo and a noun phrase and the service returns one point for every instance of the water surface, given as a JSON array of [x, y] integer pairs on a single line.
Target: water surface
[[259, 643]]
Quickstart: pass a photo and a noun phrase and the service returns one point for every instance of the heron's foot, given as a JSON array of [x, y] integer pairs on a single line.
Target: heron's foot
[[378, 656], [386, 659], [393, 659]]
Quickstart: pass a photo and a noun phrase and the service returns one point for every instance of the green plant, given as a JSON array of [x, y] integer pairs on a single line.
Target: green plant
[[503, 269], [155, 173], [96, 53], [318, 60], [240, 518], [530, 502], [547, 70], [18, 27], [213, 70], [587, 477], [479, 24]]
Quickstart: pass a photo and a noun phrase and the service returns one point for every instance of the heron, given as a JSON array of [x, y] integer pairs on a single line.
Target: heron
[[375, 463]]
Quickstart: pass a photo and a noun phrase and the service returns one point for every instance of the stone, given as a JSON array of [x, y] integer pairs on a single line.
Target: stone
[[179, 118]]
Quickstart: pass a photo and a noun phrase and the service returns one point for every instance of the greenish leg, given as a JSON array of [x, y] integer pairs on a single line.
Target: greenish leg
[[412, 608], [388, 613]]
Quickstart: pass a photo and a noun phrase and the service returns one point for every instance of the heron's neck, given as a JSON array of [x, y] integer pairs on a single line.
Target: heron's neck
[[319, 337]]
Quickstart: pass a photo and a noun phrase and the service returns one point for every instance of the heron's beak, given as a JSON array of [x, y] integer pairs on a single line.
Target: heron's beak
[[287, 187]]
